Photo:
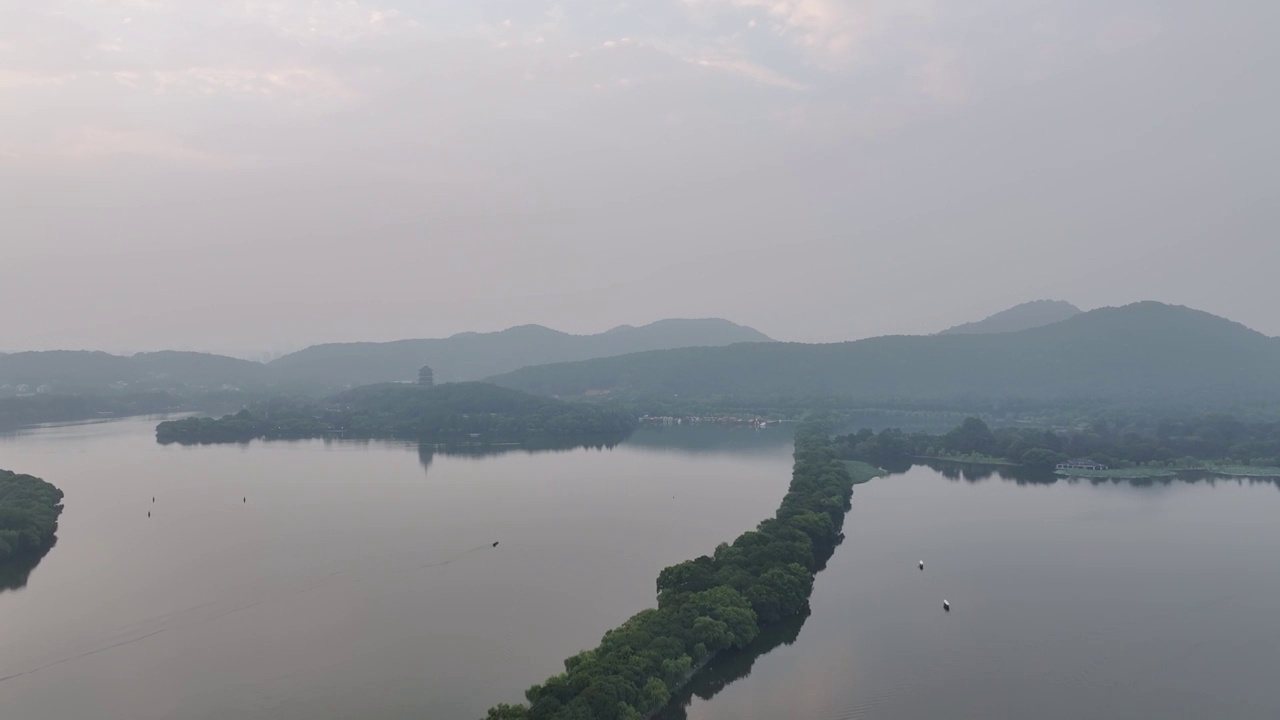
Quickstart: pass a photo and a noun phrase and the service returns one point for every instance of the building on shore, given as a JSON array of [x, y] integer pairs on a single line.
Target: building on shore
[[1081, 465], [426, 378]]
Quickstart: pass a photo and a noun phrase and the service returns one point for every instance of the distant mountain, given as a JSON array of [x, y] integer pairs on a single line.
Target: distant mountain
[[1147, 350], [200, 368], [76, 371], [467, 356], [472, 356], [1034, 314]]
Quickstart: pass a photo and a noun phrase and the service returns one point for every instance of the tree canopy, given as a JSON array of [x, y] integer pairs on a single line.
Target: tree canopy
[[1210, 438], [458, 412], [709, 604], [29, 509]]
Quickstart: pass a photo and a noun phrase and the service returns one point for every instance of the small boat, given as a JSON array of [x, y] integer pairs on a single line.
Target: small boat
[[946, 606], [495, 543]]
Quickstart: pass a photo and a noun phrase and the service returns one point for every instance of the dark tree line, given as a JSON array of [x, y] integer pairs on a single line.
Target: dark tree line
[[1212, 438], [48, 408], [29, 509], [710, 604], [454, 413]]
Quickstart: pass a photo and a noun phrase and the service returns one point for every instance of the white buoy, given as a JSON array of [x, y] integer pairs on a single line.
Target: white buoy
[[946, 606]]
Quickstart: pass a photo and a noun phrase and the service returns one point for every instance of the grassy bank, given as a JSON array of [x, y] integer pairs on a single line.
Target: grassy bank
[[861, 472], [1246, 471], [1138, 473], [969, 460]]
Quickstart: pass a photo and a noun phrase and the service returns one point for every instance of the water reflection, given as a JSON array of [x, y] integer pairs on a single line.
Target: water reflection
[[328, 593], [683, 440], [428, 451], [729, 668], [696, 439], [1074, 599], [15, 573], [973, 473]]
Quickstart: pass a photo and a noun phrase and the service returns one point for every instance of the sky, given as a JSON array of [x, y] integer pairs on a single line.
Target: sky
[[250, 176]]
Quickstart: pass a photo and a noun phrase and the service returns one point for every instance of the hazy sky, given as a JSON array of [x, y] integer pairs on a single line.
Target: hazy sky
[[239, 176]]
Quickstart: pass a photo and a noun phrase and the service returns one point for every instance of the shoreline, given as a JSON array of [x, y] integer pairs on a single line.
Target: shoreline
[[868, 472], [993, 462], [679, 638]]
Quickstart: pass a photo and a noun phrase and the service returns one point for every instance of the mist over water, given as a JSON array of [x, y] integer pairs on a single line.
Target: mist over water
[[334, 579], [313, 579], [581, 275], [1068, 600]]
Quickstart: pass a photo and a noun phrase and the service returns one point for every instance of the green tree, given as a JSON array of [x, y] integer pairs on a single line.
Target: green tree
[[973, 436], [507, 712], [1040, 458], [654, 696]]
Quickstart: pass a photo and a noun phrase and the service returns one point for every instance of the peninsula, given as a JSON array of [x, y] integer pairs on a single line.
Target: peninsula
[[29, 509], [715, 603]]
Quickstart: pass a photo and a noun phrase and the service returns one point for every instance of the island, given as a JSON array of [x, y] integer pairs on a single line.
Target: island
[[29, 510], [713, 604], [469, 413]]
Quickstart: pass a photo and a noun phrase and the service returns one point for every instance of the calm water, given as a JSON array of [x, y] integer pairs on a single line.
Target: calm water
[[359, 581], [355, 581], [1068, 601]]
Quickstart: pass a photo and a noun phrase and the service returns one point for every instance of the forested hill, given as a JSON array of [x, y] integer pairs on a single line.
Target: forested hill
[[473, 356], [1148, 351], [75, 371], [468, 356], [1036, 313], [453, 413]]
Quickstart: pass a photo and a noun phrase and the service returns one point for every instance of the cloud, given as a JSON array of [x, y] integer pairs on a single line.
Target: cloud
[[94, 144], [395, 134], [941, 77], [742, 67], [832, 30], [291, 81], [1129, 31], [341, 22], [11, 79]]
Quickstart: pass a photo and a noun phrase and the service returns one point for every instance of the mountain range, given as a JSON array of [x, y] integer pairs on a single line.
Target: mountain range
[[467, 356], [83, 371], [1036, 313], [1146, 351], [472, 356]]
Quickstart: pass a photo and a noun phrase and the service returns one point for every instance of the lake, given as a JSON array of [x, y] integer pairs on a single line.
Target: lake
[[1069, 600], [308, 580], [358, 580]]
